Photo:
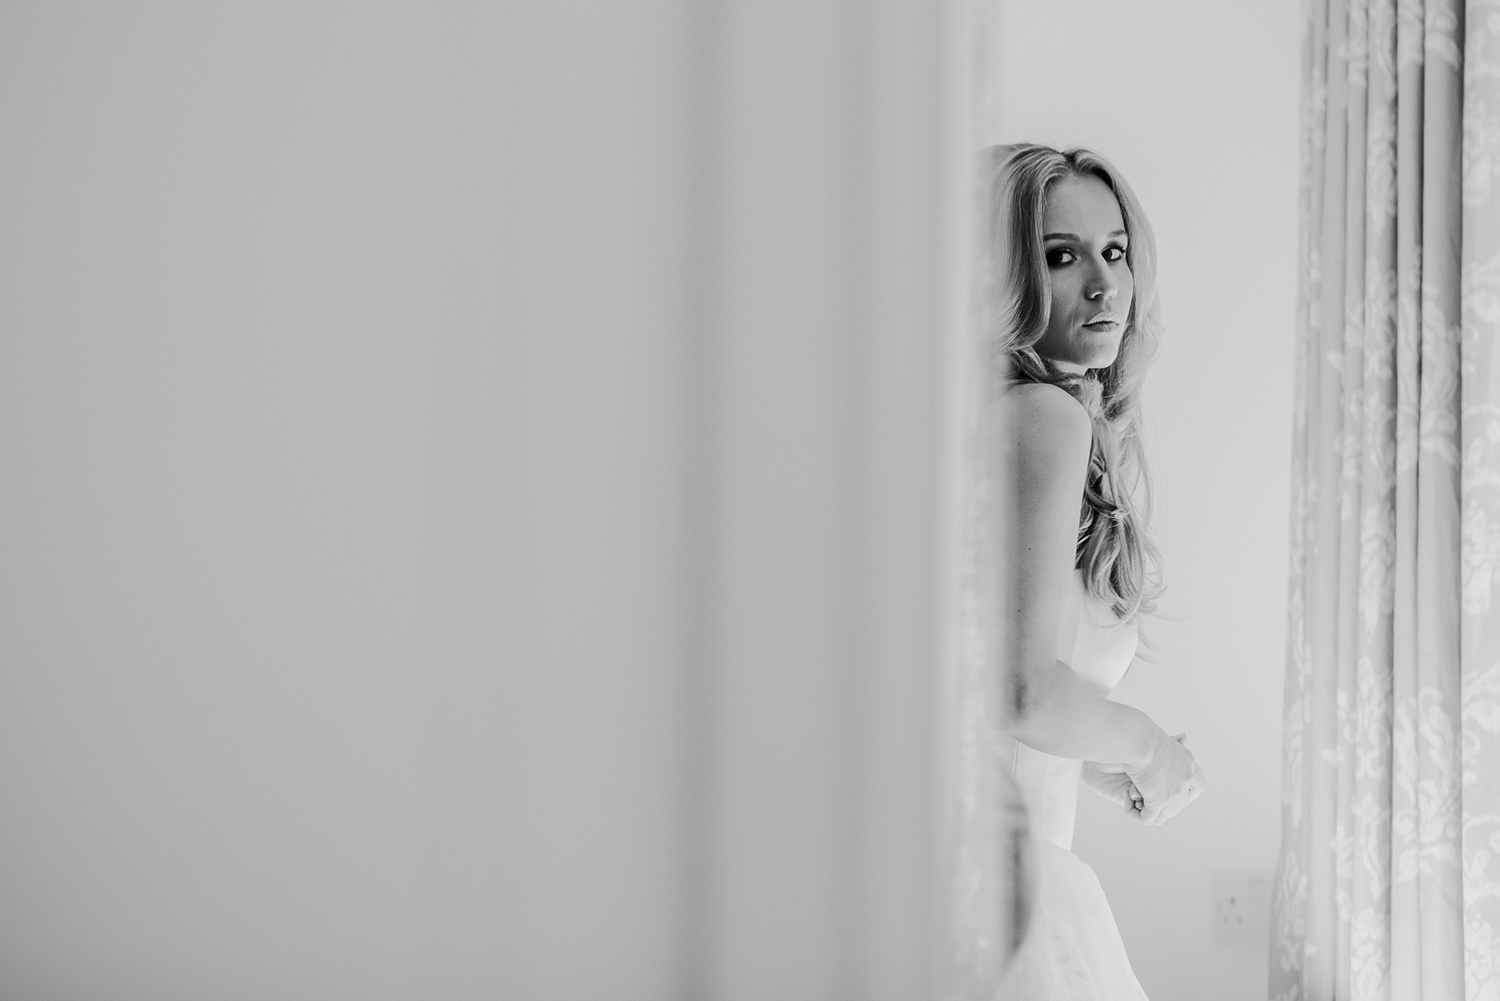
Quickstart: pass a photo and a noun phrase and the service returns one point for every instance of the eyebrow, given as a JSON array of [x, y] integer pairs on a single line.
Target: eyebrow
[[1075, 236]]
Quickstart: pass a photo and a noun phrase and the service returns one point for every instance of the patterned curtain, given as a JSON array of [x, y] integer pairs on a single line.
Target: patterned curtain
[[1389, 878]]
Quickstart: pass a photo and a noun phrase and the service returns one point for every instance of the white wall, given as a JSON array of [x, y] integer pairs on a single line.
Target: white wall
[[1197, 104], [467, 525]]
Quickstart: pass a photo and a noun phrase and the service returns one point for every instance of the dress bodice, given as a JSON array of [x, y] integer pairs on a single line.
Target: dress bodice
[[1099, 648], [1091, 639]]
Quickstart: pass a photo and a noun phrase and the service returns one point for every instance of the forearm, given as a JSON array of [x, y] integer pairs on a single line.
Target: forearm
[[1059, 714]]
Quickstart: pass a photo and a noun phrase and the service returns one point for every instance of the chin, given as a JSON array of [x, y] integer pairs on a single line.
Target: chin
[[1104, 360], [1089, 358]]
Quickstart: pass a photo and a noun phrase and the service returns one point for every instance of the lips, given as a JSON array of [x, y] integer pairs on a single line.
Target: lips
[[1104, 320]]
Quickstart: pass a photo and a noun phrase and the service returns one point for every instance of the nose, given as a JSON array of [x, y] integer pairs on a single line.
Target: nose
[[1101, 284]]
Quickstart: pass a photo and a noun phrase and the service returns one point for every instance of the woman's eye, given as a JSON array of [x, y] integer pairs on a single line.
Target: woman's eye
[[1056, 258], [1114, 253]]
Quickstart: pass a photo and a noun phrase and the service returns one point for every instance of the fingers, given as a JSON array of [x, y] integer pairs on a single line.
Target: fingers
[[1120, 791], [1196, 784], [1160, 813], [1169, 781], [1162, 810], [1112, 782]]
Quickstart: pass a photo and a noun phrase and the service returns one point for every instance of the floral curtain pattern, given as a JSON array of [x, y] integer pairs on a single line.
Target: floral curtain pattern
[[1389, 878]]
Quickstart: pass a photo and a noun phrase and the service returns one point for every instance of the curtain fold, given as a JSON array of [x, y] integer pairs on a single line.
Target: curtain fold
[[986, 837], [1387, 884]]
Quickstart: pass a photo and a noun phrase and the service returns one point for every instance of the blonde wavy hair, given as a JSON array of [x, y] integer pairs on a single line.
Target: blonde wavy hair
[[1120, 562]]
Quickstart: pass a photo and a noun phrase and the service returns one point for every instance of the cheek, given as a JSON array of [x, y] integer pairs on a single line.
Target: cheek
[[1064, 297]]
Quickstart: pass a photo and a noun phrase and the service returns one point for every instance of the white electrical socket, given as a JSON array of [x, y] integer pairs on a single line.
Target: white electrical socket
[[1241, 906]]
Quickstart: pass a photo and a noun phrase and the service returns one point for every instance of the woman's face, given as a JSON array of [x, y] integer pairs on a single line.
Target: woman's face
[[1084, 240]]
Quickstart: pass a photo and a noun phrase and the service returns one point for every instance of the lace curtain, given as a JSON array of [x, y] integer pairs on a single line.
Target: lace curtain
[[1388, 884]]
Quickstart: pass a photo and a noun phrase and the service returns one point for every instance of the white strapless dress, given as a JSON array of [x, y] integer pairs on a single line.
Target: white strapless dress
[[1072, 950]]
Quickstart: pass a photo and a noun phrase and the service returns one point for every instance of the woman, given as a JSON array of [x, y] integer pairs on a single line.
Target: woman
[[1077, 324]]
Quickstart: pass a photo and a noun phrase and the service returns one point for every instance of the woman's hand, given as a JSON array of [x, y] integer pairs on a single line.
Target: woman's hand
[[1111, 782], [1168, 781]]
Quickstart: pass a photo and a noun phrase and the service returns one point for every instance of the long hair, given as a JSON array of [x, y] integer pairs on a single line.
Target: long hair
[[1119, 559]]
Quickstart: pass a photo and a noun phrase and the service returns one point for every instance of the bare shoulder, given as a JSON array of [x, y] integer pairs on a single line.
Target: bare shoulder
[[1043, 420], [1050, 436]]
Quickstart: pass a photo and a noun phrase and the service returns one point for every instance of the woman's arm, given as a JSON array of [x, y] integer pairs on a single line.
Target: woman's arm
[[1053, 709]]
